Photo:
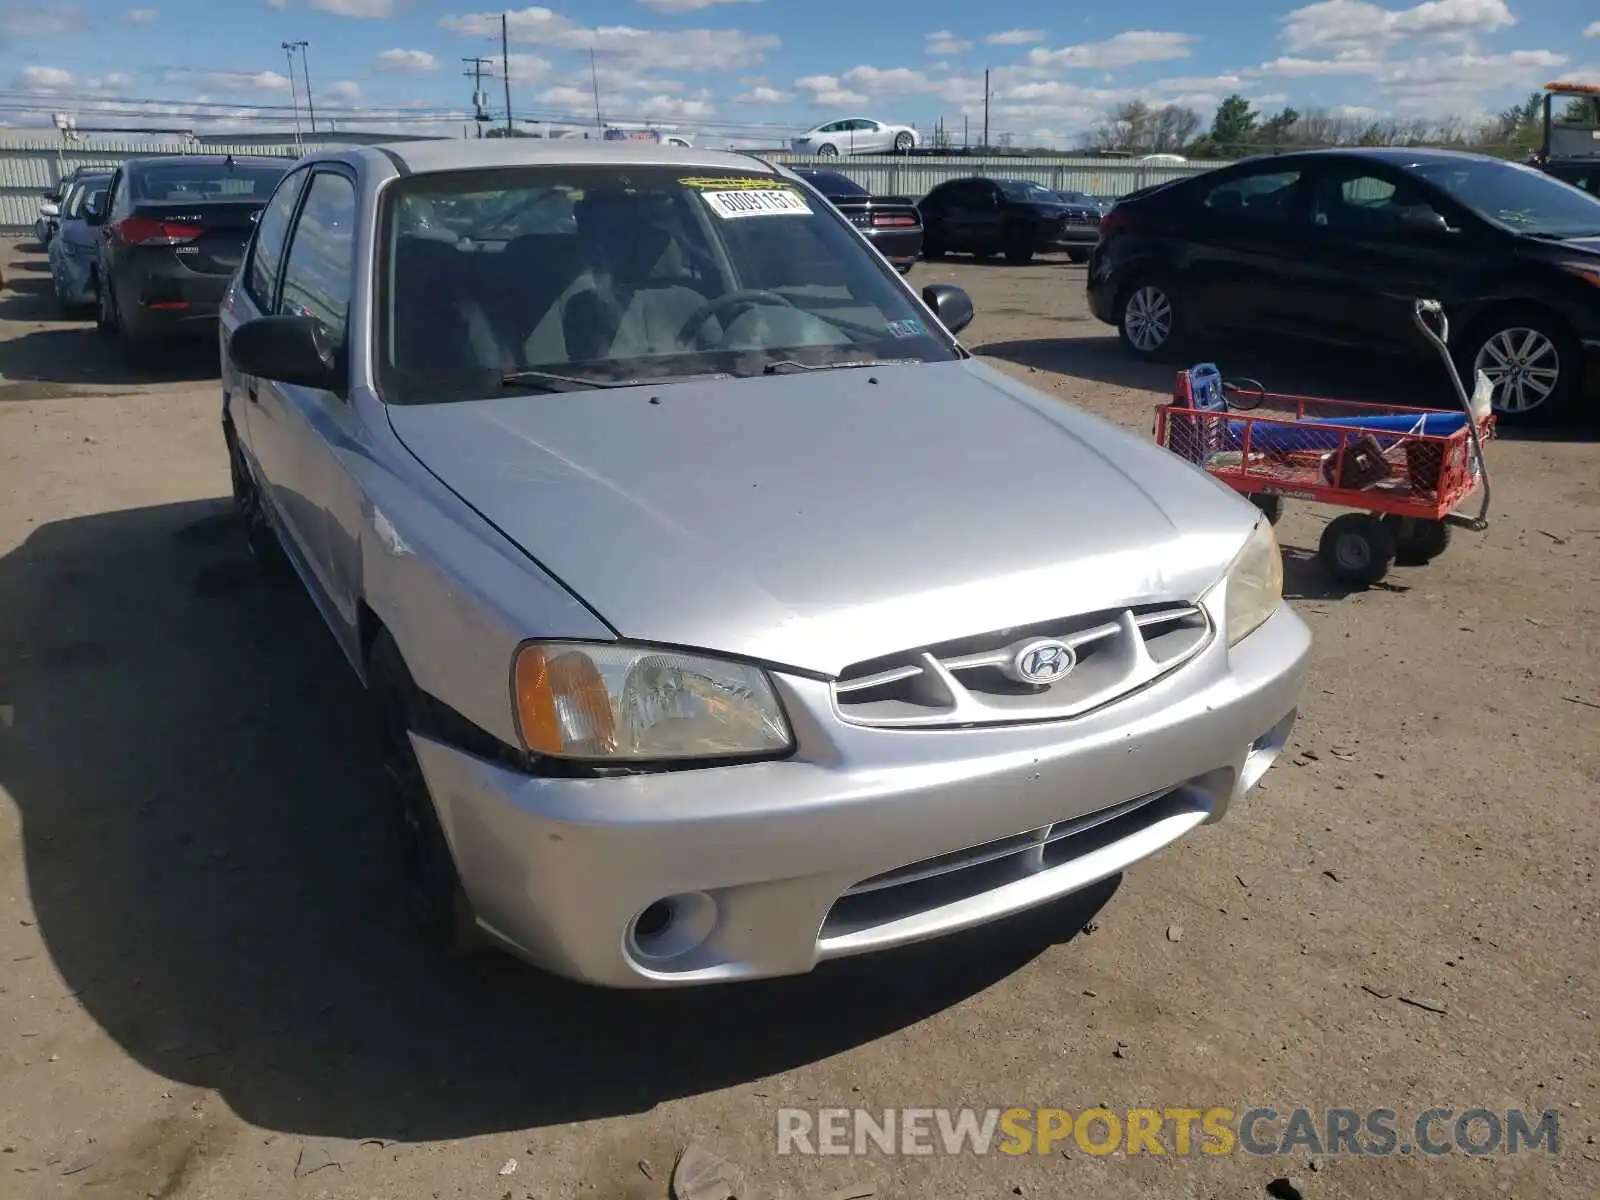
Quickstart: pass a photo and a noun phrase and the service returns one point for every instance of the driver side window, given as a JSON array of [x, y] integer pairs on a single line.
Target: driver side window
[[272, 230]]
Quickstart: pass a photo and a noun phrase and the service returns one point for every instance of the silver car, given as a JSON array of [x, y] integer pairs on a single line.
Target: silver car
[[720, 613], [74, 251]]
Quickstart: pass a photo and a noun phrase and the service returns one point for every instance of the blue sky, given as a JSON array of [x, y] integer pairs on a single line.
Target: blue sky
[[731, 69]]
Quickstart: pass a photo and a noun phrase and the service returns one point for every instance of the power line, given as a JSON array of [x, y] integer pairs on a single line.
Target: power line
[[478, 96]]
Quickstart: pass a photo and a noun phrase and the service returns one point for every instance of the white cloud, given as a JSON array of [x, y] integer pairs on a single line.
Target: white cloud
[[1592, 30], [1202, 83], [828, 91], [235, 81], [887, 81], [675, 108], [45, 79], [943, 41], [1135, 46], [1346, 64], [761, 94], [406, 60], [1358, 25], [565, 95], [527, 68], [28, 21], [683, 6], [680, 50], [347, 90], [1015, 37], [140, 16], [361, 10]]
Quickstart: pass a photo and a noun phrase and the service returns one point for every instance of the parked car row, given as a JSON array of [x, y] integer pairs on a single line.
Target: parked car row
[[150, 245], [1333, 246]]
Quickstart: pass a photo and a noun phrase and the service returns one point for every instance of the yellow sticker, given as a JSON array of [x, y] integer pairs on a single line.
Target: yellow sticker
[[730, 183]]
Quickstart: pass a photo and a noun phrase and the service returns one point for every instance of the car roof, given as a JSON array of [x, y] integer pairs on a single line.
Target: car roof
[[1395, 156], [460, 154]]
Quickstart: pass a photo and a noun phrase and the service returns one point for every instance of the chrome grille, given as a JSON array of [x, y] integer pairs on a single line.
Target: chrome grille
[[966, 682]]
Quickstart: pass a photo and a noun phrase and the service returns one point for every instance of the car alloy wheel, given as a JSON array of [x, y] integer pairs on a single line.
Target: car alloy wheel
[[827, 151], [1147, 318], [902, 143], [1523, 365]]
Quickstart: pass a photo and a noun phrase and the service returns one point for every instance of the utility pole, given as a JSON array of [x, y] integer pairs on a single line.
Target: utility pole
[[594, 82], [505, 68], [294, 94], [986, 110], [477, 64], [305, 69]]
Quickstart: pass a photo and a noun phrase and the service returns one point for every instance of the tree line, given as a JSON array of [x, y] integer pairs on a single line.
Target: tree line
[[1238, 129]]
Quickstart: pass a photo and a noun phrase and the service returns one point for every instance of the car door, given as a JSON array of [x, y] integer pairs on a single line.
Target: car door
[[116, 207], [1241, 259], [872, 138], [261, 434], [315, 431], [1380, 241], [975, 216]]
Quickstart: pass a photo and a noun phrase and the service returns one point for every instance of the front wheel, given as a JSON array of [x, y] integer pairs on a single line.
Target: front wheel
[[1532, 360], [1148, 322], [1019, 250], [1357, 548], [904, 143], [827, 151]]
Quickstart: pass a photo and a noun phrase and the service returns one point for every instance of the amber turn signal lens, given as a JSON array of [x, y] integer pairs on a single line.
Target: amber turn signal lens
[[562, 703]]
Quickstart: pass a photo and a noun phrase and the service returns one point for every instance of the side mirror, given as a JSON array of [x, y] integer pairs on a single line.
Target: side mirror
[[49, 210], [1423, 220], [286, 349], [951, 304]]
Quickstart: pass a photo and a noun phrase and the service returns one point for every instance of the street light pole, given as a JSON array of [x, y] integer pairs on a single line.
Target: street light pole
[[294, 94], [305, 69]]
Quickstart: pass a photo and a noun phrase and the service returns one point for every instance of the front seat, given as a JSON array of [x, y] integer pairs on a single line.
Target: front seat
[[440, 322], [640, 299]]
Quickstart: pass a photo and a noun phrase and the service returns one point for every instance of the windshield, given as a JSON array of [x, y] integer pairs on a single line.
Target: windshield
[[198, 182], [1518, 197], [652, 273], [1027, 189]]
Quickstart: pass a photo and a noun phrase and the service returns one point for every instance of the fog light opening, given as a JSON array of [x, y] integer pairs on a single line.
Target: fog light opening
[[671, 928], [1264, 751]]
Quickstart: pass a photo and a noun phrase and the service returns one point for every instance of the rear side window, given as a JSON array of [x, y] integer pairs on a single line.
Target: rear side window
[[1261, 197], [320, 274], [271, 233]]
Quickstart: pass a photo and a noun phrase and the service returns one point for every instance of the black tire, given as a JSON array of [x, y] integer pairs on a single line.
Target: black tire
[[827, 150], [904, 143], [1270, 506], [1508, 329], [105, 314], [1019, 249], [435, 901], [1417, 540], [1357, 548], [1078, 256], [1150, 318]]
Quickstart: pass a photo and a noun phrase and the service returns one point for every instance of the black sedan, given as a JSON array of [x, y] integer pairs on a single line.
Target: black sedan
[[172, 232], [1014, 217], [1333, 246], [891, 223]]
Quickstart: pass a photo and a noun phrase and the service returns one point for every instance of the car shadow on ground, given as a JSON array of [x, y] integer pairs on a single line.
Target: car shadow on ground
[[203, 829], [77, 353]]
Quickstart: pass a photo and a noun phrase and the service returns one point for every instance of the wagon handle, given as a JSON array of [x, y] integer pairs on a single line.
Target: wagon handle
[[1431, 319]]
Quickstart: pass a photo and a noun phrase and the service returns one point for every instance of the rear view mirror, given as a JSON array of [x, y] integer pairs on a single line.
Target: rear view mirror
[[951, 304], [286, 349]]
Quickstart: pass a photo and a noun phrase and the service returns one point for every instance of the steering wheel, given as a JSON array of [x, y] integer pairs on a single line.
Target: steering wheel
[[744, 296]]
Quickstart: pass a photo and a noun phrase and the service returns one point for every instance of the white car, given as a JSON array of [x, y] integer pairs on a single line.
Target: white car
[[855, 135]]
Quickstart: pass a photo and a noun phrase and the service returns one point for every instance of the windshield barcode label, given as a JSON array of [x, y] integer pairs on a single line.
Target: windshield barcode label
[[775, 202]]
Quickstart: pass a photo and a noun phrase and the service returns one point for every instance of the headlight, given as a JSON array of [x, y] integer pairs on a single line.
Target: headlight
[[1254, 583], [631, 703]]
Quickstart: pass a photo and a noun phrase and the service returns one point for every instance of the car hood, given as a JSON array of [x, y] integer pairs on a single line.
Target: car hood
[[814, 520]]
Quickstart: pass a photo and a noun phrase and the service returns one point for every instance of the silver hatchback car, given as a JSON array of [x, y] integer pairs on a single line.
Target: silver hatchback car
[[721, 614]]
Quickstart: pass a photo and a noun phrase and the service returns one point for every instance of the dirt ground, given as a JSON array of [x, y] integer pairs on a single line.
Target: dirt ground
[[206, 983]]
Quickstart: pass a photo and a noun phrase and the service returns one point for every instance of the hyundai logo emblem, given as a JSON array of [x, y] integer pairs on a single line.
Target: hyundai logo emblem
[[1045, 661]]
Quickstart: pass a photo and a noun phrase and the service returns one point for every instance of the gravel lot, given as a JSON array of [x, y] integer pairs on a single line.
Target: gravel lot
[[206, 979]]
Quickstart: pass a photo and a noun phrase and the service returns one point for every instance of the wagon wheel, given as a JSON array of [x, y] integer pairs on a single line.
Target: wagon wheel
[[1357, 548], [1417, 540]]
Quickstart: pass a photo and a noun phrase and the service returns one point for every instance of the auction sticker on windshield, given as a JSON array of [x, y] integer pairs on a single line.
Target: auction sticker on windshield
[[749, 202]]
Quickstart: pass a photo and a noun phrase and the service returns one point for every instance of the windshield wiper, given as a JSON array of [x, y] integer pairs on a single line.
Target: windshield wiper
[[551, 382], [788, 365]]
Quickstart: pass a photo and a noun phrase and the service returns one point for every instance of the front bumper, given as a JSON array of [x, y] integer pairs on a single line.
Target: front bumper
[[866, 838]]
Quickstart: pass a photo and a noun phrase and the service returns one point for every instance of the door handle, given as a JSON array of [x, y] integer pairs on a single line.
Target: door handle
[[250, 392]]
